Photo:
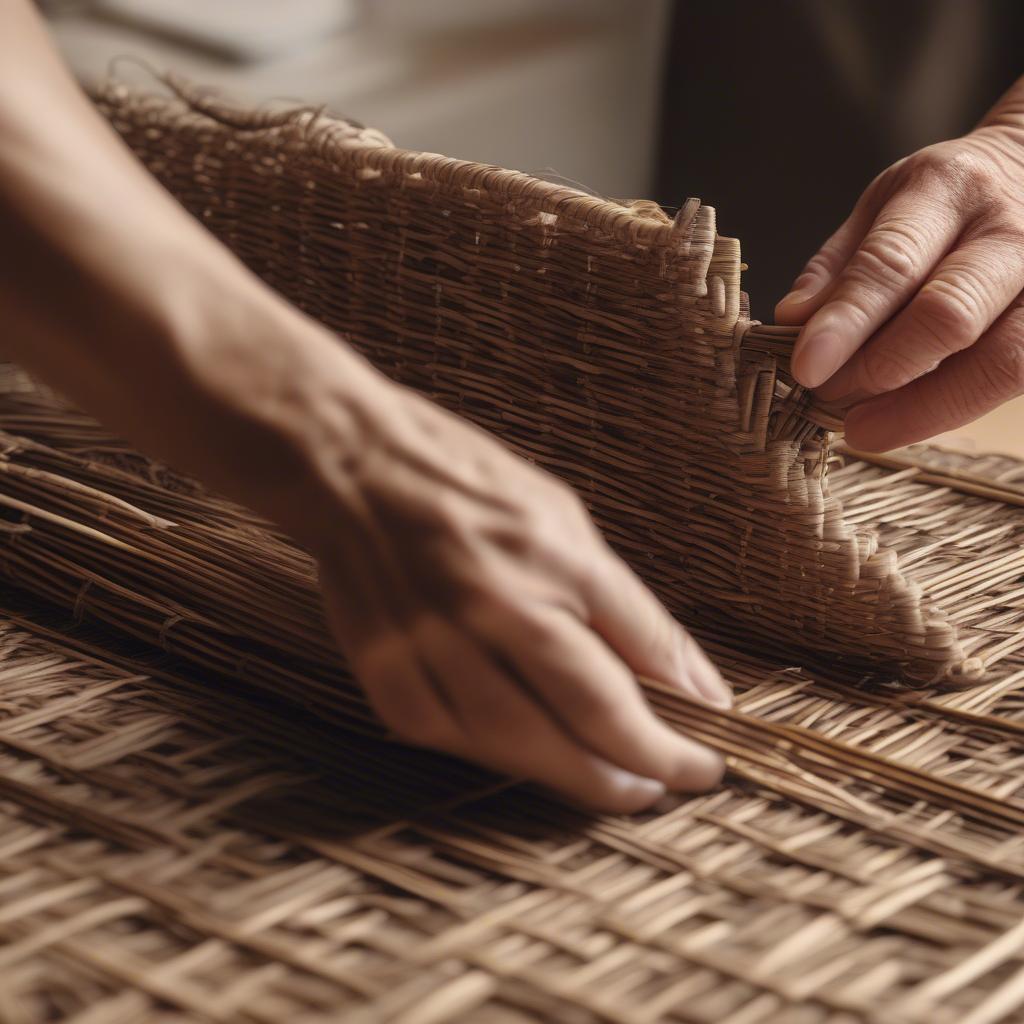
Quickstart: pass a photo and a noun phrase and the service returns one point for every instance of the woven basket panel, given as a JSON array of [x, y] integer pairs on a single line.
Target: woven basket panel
[[606, 342], [173, 850]]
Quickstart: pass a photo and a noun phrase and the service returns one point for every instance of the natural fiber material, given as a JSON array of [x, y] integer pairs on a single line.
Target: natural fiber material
[[201, 821], [606, 342], [115, 538], [172, 849]]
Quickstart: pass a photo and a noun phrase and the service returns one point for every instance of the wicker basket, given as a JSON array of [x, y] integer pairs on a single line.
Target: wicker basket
[[606, 342], [201, 821]]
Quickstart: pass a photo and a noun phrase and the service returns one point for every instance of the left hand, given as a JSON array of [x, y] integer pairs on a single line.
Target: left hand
[[913, 309]]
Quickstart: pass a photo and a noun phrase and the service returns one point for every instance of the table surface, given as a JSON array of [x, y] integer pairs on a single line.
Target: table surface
[[1001, 431]]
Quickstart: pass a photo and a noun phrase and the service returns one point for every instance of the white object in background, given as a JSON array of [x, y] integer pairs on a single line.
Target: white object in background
[[242, 29]]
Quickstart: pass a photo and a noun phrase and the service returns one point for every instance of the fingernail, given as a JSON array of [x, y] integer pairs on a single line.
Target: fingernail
[[804, 287], [817, 357], [637, 790], [698, 675]]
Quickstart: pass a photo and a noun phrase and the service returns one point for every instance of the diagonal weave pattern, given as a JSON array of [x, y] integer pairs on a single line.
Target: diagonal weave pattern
[[199, 819], [606, 342], [174, 849]]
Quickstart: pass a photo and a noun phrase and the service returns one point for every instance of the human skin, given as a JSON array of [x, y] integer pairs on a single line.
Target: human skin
[[912, 311], [477, 604]]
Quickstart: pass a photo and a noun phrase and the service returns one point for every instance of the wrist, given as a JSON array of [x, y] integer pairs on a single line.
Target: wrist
[[289, 407]]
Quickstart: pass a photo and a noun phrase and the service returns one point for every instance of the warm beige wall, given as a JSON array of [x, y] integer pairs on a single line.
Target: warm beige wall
[[1000, 431]]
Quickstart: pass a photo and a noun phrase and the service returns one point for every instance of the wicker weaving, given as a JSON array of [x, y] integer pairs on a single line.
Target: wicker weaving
[[605, 342], [173, 849], [202, 821]]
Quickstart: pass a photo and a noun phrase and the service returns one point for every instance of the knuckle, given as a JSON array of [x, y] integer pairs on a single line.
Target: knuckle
[[823, 263], [970, 172], [930, 163], [890, 251], [950, 311], [960, 173]]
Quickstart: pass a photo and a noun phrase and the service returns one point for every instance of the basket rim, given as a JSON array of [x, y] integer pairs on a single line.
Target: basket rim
[[638, 222]]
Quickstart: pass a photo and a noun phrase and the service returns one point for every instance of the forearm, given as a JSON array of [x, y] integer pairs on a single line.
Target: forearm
[[119, 299]]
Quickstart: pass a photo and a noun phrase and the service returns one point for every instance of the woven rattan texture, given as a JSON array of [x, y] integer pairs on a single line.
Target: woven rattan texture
[[200, 820], [181, 841], [172, 849], [606, 342]]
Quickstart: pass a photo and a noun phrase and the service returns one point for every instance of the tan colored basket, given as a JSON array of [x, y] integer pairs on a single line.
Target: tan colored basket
[[200, 820], [606, 342]]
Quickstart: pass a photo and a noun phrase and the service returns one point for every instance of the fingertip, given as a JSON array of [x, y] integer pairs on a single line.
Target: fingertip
[[708, 681], [696, 675], [817, 355], [626, 793], [866, 427], [703, 770]]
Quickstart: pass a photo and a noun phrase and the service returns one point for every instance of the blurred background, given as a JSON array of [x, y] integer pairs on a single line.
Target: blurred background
[[555, 87], [777, 112]]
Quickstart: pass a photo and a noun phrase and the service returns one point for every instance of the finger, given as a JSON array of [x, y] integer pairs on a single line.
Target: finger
[[403, 695], [971, 287], [962, 388], [910, 235], [638, 627], [596, 698], [810, 289], [504, 728]]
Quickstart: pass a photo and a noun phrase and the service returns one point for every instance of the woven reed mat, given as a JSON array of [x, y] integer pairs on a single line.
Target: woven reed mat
[[221, 833], [607, 342], [202, 822]]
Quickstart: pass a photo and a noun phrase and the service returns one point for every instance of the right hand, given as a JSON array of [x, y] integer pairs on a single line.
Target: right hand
[[485, 616]]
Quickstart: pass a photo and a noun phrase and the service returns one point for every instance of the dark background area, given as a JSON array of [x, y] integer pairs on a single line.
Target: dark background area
[[780, 112]]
